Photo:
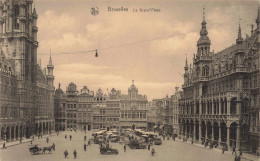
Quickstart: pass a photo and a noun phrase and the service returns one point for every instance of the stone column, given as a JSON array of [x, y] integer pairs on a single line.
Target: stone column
[[42, 129], [194, 132], [0, 126], [238, 138], [228, 142], [206, 108], [10, 134], [220, 106], [228, 106], [14, 132], [200, 104], [19, 132], [238, 107], [212, 108]]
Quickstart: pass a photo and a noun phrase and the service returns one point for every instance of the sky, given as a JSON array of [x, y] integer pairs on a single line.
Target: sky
[[147, 47]]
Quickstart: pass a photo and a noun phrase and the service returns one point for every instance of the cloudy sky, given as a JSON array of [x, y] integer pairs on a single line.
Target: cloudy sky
[[67, 26]]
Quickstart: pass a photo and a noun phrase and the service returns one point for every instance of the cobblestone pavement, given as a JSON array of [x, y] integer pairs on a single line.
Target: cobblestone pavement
[[168, 151]]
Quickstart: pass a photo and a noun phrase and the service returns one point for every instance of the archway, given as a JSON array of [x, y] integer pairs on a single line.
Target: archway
[[209, 130], [222, 106], [44, 127], [16, 132], [3, 133], [223, 127], [7, 134], [203, 130], [244, 136], [233, 105], [36, 129], [12, 133], [21, 131], [216, 131], [197, 129], [233, 134]]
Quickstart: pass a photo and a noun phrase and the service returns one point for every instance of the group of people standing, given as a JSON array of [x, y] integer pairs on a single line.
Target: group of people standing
[[66, 153]]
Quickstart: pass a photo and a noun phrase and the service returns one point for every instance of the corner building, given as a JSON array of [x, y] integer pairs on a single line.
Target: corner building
[[27, 91], [221, 93]]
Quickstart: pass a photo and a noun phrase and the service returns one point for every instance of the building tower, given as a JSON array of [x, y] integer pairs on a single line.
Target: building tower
[[186, 74], [239, 39], [20, 48], [50, 76], [258, 24], [203, 56]]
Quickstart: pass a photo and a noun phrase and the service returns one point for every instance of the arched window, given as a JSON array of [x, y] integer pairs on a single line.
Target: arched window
[[205, 71], [198, 71], [16, 17]]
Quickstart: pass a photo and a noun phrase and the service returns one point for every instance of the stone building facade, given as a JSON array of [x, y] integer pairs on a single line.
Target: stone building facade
[[221, 93], [23, 82], [133, 109], [163, 113], [86, 110]]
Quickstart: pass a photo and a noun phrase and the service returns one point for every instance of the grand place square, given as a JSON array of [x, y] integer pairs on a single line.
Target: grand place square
[[164, 85]]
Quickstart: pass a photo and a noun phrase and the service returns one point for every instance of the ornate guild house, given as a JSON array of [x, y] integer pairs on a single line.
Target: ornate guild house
[[221, 93], [27, 91]]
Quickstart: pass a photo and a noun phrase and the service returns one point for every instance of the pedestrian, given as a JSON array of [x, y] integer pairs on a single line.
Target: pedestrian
[[53, 145], [65, 136], [149, 146], [33, 138], [70, 137], [223, 149], [66, 154], [85, 138], [89, 143], [153, 151], [234, 150], [4, 147], [75, 154], [47, 139], [85, 147], [124, 148]]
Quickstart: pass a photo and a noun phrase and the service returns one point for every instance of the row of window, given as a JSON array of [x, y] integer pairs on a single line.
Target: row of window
[[133, 114]]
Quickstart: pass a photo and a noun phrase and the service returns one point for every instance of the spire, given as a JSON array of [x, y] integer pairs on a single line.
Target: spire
[[186, 65], [133, 82], [50, 61], [239, 36], [34, 10], [203, 31], [59, 85], [204, 39], [258, 20], [203, 13]]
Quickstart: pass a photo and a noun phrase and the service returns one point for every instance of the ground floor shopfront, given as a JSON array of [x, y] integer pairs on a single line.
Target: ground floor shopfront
[[11, 131], [230, 134]]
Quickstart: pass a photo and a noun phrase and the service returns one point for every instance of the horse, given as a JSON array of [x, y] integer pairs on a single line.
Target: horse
[[48, 148]]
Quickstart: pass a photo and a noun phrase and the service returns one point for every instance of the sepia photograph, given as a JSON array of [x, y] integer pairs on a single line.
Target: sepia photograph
[[130, 80]]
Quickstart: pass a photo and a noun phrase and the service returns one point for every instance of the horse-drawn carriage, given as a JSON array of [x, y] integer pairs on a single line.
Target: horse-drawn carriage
[[35, 149], [108, 150], [136, 144]]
